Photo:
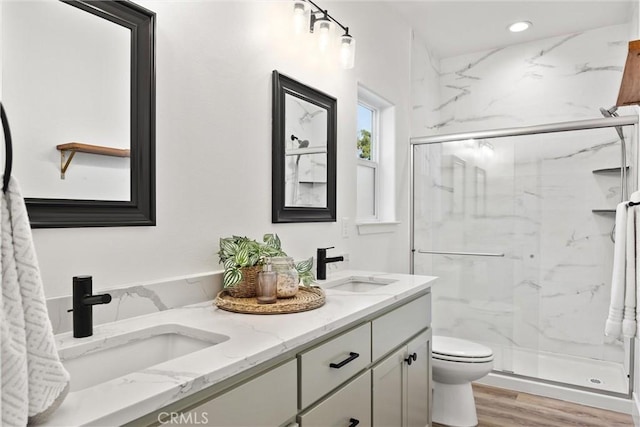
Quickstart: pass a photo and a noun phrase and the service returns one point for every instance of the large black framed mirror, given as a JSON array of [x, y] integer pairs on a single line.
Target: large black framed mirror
[[303, 153], [89, 118]]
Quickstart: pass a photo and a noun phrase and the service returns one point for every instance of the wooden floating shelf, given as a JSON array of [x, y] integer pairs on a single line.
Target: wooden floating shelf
[[78, 147]]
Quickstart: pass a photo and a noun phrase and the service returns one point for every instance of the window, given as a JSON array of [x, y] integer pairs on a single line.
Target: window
[[376, 154], [367, 177]]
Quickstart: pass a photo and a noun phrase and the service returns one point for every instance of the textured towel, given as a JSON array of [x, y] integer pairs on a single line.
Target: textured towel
[[613, 326], [629, 313], [32, 378]]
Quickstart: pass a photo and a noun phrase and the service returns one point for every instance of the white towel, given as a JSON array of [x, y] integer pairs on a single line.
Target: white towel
[[629, 313], [32, 378], [613, 325]]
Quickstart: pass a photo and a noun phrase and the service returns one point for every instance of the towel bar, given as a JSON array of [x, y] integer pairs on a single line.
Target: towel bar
[[461, 253]]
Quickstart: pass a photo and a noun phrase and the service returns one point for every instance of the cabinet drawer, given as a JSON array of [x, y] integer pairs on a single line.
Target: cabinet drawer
[[267, 408], [353, 402], [397, 326], [318, 378]]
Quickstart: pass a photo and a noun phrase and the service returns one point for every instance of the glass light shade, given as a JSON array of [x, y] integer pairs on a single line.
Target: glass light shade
[[347, 51], [322, 29], [300, 18]]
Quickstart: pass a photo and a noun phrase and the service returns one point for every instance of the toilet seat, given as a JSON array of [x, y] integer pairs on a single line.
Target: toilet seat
[[461, 351], [455, 359]]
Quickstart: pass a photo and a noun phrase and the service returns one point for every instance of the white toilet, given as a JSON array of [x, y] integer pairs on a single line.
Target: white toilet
[[456, 363]]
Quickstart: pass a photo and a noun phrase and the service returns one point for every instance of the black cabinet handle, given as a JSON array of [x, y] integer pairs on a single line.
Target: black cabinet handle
[[411, 358], [353, 422], [352, 356]]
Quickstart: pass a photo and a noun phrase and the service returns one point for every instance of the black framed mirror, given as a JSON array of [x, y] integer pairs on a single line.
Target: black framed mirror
[[55, 203], [304, 138]]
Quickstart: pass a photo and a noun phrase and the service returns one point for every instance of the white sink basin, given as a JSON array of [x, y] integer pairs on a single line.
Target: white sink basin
[[96, 362], [358, 284]]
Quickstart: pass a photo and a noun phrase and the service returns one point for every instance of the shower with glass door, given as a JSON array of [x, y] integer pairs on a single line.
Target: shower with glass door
[[516, 223]]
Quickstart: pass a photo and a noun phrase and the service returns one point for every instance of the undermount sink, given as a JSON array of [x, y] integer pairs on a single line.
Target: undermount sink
[[359, 284], [100, 361]]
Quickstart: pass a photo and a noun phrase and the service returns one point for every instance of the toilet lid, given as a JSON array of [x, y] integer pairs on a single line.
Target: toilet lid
[[458, 348]]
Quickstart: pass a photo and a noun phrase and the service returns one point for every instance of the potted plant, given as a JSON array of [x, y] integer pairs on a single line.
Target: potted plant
[[243, 258]]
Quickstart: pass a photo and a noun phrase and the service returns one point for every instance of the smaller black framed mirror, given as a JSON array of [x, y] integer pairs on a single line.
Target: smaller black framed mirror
[[304, 139]]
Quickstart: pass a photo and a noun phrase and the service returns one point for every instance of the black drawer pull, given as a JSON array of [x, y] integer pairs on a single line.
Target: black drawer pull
[[352, 356], [411, 358], [353, 422]]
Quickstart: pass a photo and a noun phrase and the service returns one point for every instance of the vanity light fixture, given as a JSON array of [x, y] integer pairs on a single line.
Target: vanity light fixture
[[321, 24], [520, 26], [300, 18], [322, 28]]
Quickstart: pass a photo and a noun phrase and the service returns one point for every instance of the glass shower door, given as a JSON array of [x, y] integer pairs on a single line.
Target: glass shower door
[[518, 230]]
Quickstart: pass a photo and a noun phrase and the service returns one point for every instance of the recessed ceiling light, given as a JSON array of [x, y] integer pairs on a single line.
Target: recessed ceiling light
[[517, 27]]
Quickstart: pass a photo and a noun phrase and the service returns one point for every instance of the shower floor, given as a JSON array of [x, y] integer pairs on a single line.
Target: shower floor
[[578, 371]]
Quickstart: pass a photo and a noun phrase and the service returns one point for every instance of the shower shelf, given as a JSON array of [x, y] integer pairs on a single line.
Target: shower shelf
[[608, 170], [604, 211]]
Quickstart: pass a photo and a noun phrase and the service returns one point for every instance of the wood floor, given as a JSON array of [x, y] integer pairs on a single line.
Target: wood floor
[[506, 408]]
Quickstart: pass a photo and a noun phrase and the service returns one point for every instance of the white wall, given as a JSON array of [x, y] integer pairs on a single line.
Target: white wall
[[65, 81], [214, 63]]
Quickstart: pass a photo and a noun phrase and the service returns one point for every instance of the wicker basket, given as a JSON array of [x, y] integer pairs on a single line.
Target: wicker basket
[[307, 298], [247, 287]]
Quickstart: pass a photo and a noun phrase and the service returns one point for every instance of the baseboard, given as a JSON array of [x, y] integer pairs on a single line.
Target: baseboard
[[635, 411]]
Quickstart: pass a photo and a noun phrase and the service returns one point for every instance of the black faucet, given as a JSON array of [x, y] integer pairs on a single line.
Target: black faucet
[[83, 302], [322, 262]]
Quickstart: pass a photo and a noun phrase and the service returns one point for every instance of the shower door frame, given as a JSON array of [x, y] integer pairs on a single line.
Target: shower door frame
[[521, 131]]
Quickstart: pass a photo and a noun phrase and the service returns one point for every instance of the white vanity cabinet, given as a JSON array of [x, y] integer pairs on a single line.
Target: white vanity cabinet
[[402, 380], [401, 384], [350, 406], [332, 363], [392, 386], [265, 401], [373, 372], [418, 381]]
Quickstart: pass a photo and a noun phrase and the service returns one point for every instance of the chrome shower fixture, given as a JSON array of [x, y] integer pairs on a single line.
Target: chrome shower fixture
[[611, 112]]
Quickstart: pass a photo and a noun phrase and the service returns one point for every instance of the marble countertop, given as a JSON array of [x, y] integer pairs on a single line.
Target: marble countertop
[[253, 340]]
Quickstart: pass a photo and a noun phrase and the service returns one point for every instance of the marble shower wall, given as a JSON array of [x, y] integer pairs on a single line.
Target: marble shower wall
[[551, 80], [305, 175], [528, 197]]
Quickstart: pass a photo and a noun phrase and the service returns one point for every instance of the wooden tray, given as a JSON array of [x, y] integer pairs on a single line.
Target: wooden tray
[[307, 298]]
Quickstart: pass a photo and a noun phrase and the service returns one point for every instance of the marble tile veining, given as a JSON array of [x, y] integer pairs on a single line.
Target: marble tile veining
[[135, 300]]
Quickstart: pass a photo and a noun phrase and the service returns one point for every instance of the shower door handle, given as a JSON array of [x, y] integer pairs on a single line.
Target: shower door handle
[[462, 253]]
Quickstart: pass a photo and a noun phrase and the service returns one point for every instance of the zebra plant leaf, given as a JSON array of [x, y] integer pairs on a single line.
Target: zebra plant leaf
[[305, 266], [307, 278], [305, 272], [272, 240], [242, 257], [227, 249], [231, 277]]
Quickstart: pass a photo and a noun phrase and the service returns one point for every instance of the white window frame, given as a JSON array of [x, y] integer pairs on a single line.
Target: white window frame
[[373, 163], [384, 161]]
